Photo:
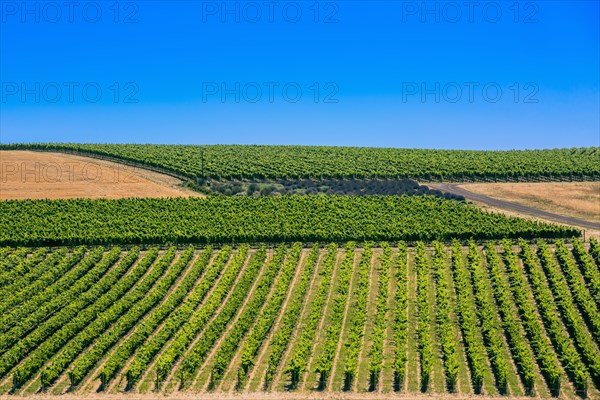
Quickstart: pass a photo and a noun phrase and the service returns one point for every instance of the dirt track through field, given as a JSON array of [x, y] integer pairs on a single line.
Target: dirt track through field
[[519, 208]]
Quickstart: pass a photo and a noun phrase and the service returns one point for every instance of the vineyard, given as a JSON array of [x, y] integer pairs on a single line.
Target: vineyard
[[219, 220], [515, 318], [236, 162]]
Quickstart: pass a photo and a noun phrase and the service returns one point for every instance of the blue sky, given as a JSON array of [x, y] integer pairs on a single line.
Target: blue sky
[[471, 75]]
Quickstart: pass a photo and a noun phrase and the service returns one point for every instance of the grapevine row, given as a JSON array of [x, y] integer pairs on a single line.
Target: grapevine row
[[573, 320], [252, 309], [324, 363], [151, 347], [595, 250], [54, 267], [540, 343], [317, 162], [563, 347], [12, 258], [198, 320], [84, 364], [490, 326], [376, 352], [18, 264], [100, 327], [302, 351], [289, 320], [224, 219], [119, 357], [39, 336], [468, 319], [400, 317], [581, 295], [522, 354], [65, 300], [240, 293], [591, 272], [423, 322], [268, 315], [35, 272], [445, 326], [95, 296], [73, 329], [5, 253], [53, 296], [357, 328], [122, 325]]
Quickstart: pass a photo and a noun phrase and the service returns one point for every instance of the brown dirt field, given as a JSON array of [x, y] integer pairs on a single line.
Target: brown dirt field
[[577, 199], [42, 175]]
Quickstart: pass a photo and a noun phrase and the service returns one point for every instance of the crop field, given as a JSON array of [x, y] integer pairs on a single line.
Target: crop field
[[231, 162], [258, 219], [43, 175], [504, 317], [283, 280]]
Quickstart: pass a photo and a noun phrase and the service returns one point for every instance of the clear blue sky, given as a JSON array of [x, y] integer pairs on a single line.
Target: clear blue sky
[[472, 75]]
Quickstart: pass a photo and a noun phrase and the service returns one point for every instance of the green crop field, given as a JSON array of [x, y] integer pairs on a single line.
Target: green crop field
[[310, 293], [260, 219], [512, 318], [318, 162]]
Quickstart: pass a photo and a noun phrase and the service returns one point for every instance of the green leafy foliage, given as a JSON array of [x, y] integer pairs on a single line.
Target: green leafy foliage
[[357, 327], [49, 297], [303, 349], [102, 313], [42, 276], [563, 299], [446, 328], [103, 309], [541, 345], [423, 322], [18, 264], [230, 344], [376, 352], [522, 354], [400, 317], [260, 162], [198, 320], [488, 317], [215, 329], [70, 301], [261, 219], [324, 362], [268, 315], [590, 270], [142, 330], [121, 316], [564, 348], [469, 323], [581, 294]]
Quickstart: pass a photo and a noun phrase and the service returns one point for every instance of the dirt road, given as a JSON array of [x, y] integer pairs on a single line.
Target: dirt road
[[519, 208]]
